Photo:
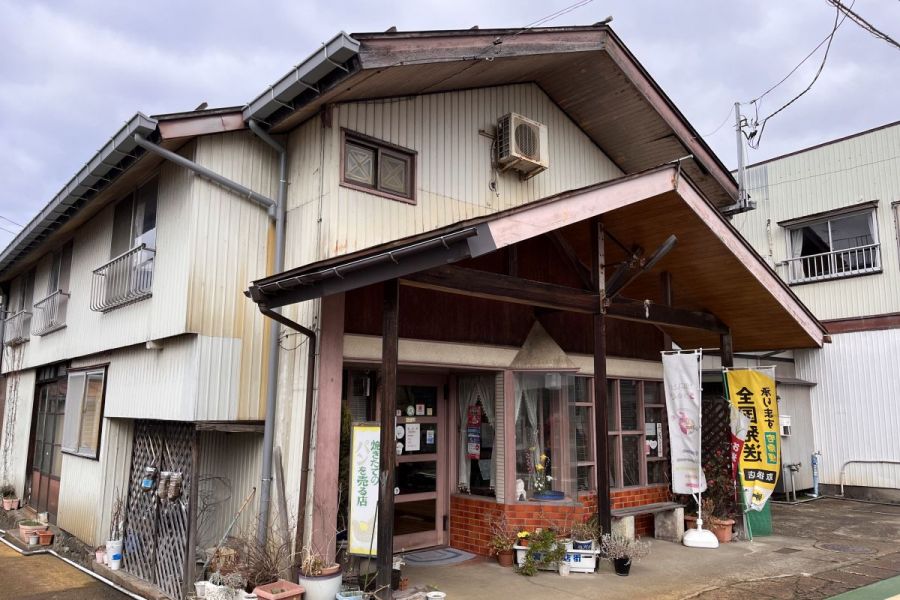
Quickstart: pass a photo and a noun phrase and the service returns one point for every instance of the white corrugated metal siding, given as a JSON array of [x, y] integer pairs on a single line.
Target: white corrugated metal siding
[[453, 166], [793, 400], [864, 168], [88, 487], [19, 404], [855, 410], [229, 469]]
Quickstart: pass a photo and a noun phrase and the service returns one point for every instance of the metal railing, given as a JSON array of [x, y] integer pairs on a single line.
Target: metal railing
[[835, 264], [17, 328], [125, 279], [50, 313]]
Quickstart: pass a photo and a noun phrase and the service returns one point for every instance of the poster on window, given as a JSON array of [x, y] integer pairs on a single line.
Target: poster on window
[[752, 392], [363, 499], [473, 432], [681, 375]]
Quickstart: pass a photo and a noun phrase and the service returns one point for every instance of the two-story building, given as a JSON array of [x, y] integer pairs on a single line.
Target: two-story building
[[826, 219], [502, 225]]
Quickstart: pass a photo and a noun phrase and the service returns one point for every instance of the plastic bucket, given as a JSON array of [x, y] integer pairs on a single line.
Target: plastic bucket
[[200, 588], [114, 554]]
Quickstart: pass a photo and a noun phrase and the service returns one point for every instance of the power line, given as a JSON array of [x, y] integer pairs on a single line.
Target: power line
[[11, 221], [755, 137], [9, 230], [721, 125], [863, 23]]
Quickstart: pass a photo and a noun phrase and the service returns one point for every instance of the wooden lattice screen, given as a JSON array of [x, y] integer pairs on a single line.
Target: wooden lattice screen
[[156, 530], [716, 431]]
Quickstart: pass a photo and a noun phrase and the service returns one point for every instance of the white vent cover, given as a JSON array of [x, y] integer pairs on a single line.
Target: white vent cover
[[522, 145], [784, 424]]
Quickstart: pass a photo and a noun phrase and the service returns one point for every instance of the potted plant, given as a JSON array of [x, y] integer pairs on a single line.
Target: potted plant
[[116, 533], [279, 590], [320, 578], [718, 499], [30, 527], [10, 499], [585, 534], [100, 554], [622, 551], [545, 551], [502, 541], [522, 538], [222, 586]]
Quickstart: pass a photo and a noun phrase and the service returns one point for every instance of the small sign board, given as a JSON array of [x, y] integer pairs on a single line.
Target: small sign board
[[365, 455]]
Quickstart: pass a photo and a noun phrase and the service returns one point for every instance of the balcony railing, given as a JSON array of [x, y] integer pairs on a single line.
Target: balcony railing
[[50, 313], [836, 264], [123, 280], [17, 328]]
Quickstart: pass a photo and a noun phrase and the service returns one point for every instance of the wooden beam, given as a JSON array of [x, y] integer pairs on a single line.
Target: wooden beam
[[512, 261], [231, 426], [726, 349], [657, 314], [665, 284], [601, 429], [496, 286], [567, 252], [388, 458]]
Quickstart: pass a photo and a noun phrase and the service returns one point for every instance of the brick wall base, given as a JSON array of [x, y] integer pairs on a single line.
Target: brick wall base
[[470, 516]]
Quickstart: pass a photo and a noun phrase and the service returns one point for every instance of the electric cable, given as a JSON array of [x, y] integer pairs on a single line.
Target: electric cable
[[11, 221], [863, 23]]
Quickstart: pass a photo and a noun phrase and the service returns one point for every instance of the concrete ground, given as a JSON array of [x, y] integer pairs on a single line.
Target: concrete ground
[[822, 549], [46, 577]]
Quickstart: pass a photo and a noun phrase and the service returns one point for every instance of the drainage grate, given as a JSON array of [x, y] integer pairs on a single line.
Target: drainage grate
[[846, 548], [787, 550]]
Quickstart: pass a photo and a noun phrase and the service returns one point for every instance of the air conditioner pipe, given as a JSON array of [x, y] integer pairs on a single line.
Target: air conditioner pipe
[[265, 489]]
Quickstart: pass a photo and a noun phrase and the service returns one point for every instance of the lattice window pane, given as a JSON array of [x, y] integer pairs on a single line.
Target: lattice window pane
[[393, 174], [359, 164]]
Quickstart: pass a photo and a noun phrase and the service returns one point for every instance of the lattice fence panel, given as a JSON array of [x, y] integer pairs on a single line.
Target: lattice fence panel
[[716, 432], [156, 529]]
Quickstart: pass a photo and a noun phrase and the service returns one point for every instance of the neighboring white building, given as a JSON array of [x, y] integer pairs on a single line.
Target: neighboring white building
[[826, 219]]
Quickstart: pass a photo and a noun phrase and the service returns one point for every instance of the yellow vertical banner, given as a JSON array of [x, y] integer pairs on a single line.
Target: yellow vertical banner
[[752, 392]]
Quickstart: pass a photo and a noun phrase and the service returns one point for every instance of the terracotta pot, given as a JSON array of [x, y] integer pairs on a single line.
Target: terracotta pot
[[690, 522], [722, 529], [280, 590], [523, 542], [505, 558], [46, 537]]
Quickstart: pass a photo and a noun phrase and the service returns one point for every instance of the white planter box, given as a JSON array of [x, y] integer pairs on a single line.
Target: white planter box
[[581, 561]]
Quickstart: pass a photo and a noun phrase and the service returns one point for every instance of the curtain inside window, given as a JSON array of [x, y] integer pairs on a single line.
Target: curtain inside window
[[796, 252], [471, 390]]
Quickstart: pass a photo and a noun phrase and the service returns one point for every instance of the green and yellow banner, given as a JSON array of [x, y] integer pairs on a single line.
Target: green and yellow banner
[[752, 392]]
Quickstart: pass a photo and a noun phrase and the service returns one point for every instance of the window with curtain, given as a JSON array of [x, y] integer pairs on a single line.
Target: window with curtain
[[84, 412], [838, 246], [546, 435], [638, 434], [477, 458]]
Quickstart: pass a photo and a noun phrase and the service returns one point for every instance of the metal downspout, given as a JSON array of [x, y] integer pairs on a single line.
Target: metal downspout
[[207, 174], [265, 489], [307, 418]]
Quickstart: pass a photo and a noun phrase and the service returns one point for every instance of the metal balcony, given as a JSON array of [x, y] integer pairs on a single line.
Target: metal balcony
[[123, 280], [17, 328], [835, 264], [50, 313]]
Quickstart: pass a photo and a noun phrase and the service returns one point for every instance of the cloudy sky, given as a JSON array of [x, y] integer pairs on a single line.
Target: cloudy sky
[[72, 72]]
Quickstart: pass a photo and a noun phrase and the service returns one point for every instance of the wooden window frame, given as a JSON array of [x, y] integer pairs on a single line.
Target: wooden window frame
[[617, 433], [589, 404], [101, 368], [379, 146]]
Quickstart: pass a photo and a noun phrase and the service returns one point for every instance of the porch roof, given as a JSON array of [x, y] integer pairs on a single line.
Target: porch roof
[[713, 269]]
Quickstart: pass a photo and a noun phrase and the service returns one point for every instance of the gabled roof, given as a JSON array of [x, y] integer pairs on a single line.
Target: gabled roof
[[713, 268], [587, 71]]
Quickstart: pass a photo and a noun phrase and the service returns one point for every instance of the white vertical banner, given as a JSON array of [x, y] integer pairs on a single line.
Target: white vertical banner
[[364, 474], [681, 375]]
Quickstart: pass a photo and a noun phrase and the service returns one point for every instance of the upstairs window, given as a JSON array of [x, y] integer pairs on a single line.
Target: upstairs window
[[134, 222], [378, 167], [842, 245]]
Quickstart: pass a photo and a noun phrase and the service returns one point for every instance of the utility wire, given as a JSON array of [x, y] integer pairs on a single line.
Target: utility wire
[[11, 221], [863, 23], [721, 125], [755, 137], [9, 230]]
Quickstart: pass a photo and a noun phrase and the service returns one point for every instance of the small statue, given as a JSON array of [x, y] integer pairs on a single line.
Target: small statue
[[520, 490]]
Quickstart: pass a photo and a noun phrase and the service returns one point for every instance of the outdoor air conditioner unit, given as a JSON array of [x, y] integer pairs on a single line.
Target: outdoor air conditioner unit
[[522, 145]]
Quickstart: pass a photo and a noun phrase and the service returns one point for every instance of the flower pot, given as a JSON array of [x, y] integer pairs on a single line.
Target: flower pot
[[46, 537], [280, 590], [622, 566], [505, 558], [563, 569], [690, 522], [10, 504], [722, 528], [582, 544], [25, 531], [100, 555], [321, 587], [523, 542], [114, 554], [200, 588], [33, 539]]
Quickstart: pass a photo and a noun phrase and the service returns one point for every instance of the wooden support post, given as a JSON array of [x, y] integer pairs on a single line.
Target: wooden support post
[[389, 354], [665, 283], [601, 429], [190, 553], [726, 348]]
